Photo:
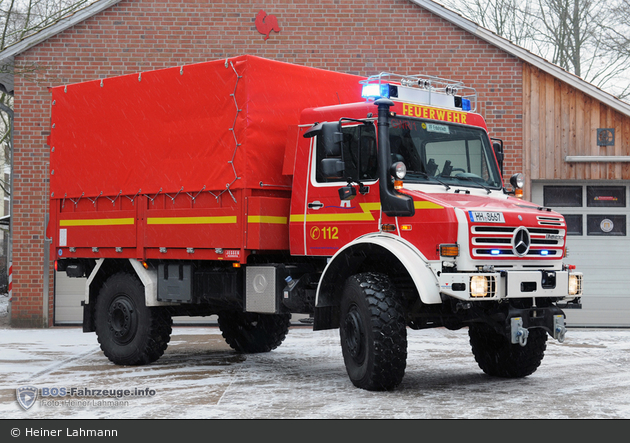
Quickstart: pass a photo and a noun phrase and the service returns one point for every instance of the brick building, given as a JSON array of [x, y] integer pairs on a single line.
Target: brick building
[[546, 117]]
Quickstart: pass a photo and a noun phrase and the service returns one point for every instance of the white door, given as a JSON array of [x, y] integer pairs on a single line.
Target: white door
[[598, 244]]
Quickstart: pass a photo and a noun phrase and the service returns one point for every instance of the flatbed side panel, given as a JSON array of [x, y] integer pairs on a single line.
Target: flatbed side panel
[[268, 223], [98, 229], [194, 228]]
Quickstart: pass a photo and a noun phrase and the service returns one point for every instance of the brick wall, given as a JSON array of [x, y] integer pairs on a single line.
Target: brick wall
[[356, 36]]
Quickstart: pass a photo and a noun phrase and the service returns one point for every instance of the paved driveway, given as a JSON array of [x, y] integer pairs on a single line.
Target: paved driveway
[[199, 377]]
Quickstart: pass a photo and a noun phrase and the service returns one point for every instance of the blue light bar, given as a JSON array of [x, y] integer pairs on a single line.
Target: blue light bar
[[465, 104], [375, 90]]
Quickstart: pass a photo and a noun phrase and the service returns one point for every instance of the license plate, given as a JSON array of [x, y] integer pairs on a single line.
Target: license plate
[[486, 217]]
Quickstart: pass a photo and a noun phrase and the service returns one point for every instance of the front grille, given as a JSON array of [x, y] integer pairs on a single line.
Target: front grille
[[496, 241]]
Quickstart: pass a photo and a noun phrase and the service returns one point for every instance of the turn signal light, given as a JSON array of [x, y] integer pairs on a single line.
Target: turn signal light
[[388, 228], [398, 184], [449, 250]]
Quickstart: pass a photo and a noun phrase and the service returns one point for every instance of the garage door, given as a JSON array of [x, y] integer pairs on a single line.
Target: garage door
[[598, 243]]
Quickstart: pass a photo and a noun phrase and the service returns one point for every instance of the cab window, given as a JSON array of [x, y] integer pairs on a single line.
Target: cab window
[[359, 155]]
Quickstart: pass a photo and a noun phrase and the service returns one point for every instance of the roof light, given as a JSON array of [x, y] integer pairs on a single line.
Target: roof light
[[466, 104], [375, 90], [398, 170]]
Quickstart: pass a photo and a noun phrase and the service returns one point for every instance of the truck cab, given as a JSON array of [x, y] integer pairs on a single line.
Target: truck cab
[[406, 191]]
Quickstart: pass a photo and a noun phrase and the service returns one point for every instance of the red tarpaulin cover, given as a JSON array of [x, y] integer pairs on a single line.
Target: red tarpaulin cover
[[164, 130]]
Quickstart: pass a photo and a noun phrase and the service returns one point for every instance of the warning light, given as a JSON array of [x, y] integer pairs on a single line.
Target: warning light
[[375, 90]]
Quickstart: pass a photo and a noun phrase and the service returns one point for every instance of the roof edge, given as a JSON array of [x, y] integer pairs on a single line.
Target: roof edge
[[525, 55], [56, 28]]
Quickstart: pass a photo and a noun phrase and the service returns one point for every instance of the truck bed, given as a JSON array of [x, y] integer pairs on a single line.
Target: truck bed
[[181, 162]]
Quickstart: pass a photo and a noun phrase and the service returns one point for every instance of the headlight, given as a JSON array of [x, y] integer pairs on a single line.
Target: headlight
[[398, 170], [478, 286], [575, 284], [517, 181]]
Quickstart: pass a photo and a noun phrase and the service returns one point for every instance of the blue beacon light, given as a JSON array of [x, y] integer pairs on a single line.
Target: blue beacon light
[[375, 90]]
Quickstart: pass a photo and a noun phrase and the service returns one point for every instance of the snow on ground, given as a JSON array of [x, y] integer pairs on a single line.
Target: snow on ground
[[200, 377], [4, 314]]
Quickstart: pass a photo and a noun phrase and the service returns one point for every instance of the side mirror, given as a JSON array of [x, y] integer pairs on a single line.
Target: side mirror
[[331, 137], [333, 167], [497, 146]]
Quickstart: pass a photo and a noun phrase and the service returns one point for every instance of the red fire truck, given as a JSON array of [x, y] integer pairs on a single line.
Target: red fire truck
[[253, 189]]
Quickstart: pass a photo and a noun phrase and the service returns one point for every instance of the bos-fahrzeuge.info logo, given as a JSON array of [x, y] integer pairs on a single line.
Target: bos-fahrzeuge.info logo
[[53, 396]]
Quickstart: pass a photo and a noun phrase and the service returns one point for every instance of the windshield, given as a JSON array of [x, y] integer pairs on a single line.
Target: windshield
[[443, 153]]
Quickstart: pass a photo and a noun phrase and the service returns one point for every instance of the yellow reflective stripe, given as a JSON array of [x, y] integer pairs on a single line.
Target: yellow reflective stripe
[[366, 215], [98, 222], [267, 219], [191, 220], [426, 205]]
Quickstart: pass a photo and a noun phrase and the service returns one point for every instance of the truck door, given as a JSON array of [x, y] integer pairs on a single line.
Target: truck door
[[330, 221]]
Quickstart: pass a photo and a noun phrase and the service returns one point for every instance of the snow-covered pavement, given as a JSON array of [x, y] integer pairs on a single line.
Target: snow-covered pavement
[[199, 376]]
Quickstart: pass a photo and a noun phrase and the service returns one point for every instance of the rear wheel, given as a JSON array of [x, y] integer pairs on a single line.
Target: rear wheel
[[373, 332], [497, 356], [250, 333], [129, 332]]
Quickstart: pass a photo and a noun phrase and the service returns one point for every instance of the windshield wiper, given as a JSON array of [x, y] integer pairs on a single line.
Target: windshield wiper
[[429, 177], [474, 180]]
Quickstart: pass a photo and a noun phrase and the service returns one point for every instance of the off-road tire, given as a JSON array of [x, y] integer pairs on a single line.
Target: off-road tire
[[129, 332], [373, 332], [252, 333], [498, 357]]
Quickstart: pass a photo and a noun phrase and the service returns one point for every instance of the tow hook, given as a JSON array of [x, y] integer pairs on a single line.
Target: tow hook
[[518, 332], [559, 329]]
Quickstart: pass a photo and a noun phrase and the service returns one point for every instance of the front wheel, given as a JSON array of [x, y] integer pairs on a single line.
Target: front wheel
[[373, 332], [130, 333], [497, 356]]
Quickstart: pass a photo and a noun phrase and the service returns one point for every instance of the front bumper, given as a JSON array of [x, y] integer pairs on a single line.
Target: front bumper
[[468, 286]]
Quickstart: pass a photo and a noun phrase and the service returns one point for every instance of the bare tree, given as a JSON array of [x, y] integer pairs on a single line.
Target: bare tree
[[18, 20], [588, 38]]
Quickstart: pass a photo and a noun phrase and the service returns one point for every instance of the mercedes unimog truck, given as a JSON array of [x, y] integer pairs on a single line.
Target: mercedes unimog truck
[[255, 190]]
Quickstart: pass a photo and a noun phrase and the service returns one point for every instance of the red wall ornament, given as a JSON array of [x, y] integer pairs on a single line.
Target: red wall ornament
[[266, 23]]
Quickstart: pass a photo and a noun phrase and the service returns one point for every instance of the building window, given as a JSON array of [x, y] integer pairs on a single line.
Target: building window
[[606, 196], [562, 196], [574, 224], [606, 225]]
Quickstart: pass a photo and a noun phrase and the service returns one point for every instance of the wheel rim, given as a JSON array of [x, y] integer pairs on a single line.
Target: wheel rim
[[122, 319], [354, 336]]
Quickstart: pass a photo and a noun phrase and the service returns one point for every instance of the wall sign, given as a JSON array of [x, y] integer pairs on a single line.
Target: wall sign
[[266, 23]]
